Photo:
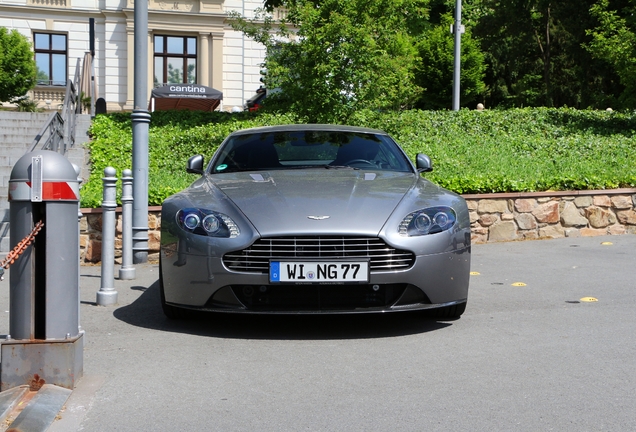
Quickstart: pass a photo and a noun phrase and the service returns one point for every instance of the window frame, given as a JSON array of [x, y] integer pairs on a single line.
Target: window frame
[[51, 52], [166, 55]]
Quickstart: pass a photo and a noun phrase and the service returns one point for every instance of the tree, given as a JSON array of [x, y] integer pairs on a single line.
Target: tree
[[435, 72], [614, 41], [340, 56], [17, 65], [535, 55]]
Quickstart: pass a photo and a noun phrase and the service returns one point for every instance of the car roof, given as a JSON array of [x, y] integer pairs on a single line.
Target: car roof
[[309, 127]]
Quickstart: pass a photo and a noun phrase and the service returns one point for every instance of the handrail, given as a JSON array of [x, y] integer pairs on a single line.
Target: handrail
[[60, 128], [54, 126]]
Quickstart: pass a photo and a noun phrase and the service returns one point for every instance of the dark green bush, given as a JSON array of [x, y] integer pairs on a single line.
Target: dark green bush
[[518, 150]]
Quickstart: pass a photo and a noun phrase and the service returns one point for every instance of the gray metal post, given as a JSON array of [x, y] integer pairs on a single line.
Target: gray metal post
[[140, 122], [107, 294], [44, 285], [44, 290], [78, 171], [127, 271], [458, 29]]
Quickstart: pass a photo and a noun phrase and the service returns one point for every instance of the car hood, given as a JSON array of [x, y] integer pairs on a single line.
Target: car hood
[[339, 201]]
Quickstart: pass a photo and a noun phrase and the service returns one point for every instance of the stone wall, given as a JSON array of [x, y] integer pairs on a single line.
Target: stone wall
[[507, 217], [493, 218], [91, 235]]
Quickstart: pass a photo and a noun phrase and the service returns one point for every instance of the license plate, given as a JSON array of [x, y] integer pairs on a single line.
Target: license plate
[[318, 272]]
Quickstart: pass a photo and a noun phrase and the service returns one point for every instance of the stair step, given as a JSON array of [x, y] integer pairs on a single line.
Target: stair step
[[17, 131], [15, 141]]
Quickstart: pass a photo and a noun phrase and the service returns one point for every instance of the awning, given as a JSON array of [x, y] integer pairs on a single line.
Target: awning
[[193, 97]]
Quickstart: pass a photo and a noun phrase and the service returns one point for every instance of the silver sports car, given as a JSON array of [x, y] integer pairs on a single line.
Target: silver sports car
[[313, 219]]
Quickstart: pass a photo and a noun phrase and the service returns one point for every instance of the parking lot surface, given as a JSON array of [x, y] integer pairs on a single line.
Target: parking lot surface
[[547, 343]]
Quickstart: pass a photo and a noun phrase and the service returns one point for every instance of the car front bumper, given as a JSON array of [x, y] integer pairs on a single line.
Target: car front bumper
[[201, 282]]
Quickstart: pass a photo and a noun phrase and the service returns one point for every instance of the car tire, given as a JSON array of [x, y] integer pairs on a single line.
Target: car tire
[[169, 311], [449, 312]]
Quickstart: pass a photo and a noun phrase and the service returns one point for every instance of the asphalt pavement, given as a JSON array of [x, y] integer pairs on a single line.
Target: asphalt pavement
[[547, 343]]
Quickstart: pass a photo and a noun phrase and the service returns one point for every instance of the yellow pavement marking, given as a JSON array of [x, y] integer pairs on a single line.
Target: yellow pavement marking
[[589, 299], [518, 284], [607, 243], [475, 273]]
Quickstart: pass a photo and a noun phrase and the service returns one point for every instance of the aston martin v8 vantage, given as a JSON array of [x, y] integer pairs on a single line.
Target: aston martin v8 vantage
[[313, 219]]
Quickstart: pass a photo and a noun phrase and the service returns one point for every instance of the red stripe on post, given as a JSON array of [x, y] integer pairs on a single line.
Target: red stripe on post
[[57, 191]]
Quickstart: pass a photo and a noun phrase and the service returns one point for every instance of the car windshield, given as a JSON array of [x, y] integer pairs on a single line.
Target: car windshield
[[309, 149]]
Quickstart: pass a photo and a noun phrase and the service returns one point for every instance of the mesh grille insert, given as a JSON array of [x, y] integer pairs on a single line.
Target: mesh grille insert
[[255, 258]]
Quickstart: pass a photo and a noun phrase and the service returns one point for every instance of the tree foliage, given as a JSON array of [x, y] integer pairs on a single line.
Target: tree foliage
[[17, 65], [535, 55], [383, 55], [435, 73], [344, 55], [614, 41], [515, 53]]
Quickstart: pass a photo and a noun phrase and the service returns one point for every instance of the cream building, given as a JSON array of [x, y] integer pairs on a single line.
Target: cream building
[[189, 41]]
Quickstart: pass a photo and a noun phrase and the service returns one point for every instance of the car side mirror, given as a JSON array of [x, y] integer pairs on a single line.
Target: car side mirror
[[423, 163], [195, 165]]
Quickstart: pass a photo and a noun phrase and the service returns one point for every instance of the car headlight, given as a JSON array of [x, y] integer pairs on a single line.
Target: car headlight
[[207, 223], [427, 221]]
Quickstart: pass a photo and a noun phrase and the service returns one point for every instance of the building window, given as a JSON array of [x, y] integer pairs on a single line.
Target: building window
[[175, 60], [50, 58]]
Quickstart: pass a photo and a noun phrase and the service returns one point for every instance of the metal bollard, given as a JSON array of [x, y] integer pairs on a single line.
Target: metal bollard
[[127, 271], [44, 282], [107, 294]]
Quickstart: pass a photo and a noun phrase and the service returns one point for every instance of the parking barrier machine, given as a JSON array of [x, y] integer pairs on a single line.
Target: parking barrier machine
[[45, 344]]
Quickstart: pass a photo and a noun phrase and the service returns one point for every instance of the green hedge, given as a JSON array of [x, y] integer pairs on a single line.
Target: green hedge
[[518, 150]]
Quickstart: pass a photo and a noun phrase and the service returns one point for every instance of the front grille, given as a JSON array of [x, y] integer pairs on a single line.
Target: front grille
[[256, 258]]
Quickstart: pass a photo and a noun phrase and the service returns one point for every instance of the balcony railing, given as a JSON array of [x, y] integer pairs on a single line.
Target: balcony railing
[[50, 3]]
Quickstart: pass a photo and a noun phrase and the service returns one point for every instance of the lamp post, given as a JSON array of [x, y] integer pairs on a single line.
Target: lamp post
[[458, 29], [140, 122]]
